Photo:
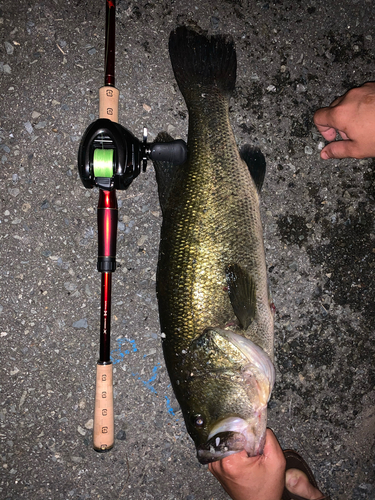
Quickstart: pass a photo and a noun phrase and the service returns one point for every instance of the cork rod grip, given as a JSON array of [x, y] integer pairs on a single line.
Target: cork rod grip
[[103, 436], [108, 103]]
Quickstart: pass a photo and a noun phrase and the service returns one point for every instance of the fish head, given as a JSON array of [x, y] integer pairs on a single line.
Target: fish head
[[226, 384]]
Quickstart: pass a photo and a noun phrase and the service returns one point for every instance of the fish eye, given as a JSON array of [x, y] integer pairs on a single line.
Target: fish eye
[[198, 421]]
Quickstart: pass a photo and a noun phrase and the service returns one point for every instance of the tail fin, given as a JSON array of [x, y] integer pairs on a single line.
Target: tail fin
[[200, 61]]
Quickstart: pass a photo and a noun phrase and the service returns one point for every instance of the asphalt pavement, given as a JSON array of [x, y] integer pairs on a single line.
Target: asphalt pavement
[[293, 57]]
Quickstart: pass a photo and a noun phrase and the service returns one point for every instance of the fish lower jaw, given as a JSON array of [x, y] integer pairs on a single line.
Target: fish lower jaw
[[235, 434], [209, 456]]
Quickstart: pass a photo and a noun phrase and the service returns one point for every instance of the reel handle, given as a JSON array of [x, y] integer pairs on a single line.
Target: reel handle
[[174, 152]]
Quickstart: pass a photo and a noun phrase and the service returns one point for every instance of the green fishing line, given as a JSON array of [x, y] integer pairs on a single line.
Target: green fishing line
[[103, 162]]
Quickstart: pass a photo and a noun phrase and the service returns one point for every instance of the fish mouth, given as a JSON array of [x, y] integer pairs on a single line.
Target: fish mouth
[[233, 435]]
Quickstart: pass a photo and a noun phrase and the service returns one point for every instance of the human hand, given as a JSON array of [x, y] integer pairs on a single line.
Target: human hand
[[254, 478], [353, 117]]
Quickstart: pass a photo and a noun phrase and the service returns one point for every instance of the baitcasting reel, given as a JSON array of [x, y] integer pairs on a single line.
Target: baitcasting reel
[[110, 157]]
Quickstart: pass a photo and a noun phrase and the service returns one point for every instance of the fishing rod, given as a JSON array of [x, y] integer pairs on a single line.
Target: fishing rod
[[110, 158]]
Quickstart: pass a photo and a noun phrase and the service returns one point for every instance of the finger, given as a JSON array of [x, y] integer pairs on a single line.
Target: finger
[[272, 448], [232, 465], [337, 101], [329, 133], [344, 136], [324, 123], [340, 149]]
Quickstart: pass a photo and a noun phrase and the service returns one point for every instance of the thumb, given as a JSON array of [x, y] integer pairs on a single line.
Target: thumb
[[272, 449], [339, 149]]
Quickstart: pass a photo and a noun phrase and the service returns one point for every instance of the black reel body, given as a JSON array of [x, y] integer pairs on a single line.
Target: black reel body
[[125, 155], [105, 134]]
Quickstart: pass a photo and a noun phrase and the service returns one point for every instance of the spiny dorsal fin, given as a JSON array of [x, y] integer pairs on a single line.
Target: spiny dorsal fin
[[242, 294], [254, 159]]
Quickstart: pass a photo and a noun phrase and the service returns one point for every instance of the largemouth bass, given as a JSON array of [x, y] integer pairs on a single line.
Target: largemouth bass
[[214, 305]]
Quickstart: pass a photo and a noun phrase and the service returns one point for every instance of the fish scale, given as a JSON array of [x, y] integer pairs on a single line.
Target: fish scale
[[211, 274]]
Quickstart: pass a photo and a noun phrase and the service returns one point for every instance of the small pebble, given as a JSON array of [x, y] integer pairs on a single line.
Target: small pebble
[[81, 431], [14, 191], [28, 127], [40, 125], [150, 353], [121, 435], [142, 240], [308, 150], [214, 22], [89, 424], [9, 48], [5, 68], [82, 323]]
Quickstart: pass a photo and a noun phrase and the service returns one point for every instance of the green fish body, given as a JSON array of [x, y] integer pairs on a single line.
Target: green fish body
[[214, 306]]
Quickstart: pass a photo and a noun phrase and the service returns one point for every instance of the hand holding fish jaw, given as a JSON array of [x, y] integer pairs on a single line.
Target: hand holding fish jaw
[[253, 478], [353, 117]]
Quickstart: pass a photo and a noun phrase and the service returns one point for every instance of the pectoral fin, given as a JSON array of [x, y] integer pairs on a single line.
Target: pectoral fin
[[242, 294], [254, 159]]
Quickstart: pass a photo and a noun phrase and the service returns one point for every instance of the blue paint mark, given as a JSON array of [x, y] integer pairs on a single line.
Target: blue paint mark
[[147, 383], [169, 407], [118, 354]]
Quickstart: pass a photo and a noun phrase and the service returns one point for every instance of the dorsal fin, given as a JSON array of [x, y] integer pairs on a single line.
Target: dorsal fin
[[242, 294], [256, 162]]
